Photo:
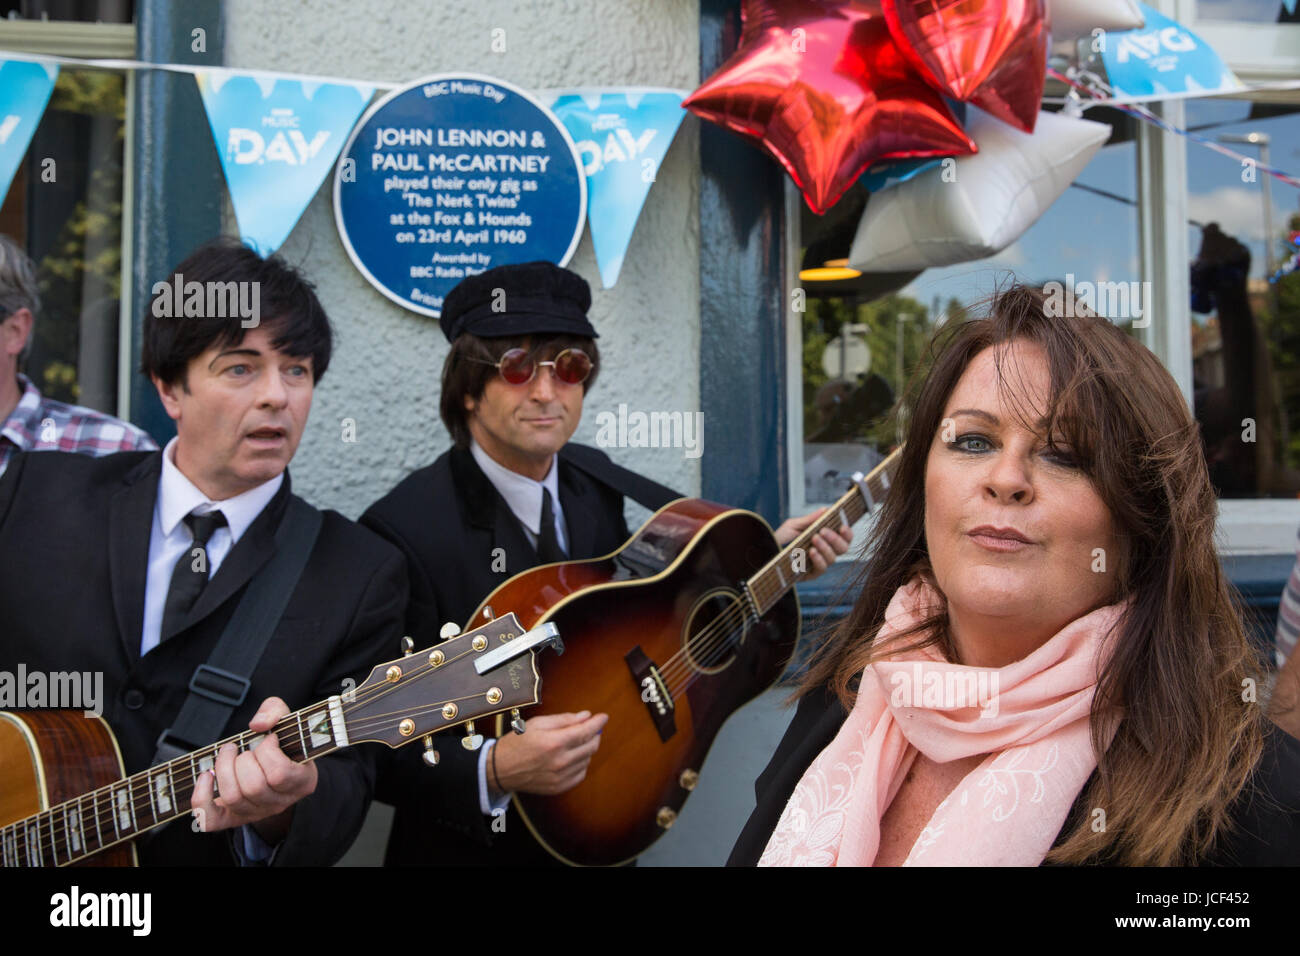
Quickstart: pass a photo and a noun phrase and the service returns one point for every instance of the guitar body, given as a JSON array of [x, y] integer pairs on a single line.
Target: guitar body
[[654, 635], [49, 756]]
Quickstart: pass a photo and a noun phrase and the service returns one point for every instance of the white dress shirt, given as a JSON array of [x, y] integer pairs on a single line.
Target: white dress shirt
[[169, 538], [523, 496]]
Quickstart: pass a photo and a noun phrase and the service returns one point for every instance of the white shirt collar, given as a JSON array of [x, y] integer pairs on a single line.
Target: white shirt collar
[[177, 497], [523, 495]]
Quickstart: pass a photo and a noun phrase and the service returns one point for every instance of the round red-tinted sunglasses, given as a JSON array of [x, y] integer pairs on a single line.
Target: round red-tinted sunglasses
[[518, 367]]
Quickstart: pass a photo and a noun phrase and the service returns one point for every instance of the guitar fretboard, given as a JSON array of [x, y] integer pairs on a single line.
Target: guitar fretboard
[[101, 818], [793, 564]]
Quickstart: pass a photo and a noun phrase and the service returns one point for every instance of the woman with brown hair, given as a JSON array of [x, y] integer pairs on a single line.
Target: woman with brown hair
[[1044, 663]]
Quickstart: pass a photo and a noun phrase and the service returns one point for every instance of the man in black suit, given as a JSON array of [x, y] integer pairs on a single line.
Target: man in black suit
[[131, 566], [512, 493]]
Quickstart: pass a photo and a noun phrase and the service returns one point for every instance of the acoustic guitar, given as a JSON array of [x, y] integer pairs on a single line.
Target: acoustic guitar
[[64, 800], [694, 616]]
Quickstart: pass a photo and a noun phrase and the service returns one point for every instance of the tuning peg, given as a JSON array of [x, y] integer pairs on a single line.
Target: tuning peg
[[430, 755], [449, 630], [516, 722], [408, 646], [471, 740]]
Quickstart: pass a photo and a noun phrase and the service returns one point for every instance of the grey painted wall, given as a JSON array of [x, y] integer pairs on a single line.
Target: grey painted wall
[[387, 361]]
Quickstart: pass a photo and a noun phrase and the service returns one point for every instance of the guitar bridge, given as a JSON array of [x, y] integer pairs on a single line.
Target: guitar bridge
[[654, 692]]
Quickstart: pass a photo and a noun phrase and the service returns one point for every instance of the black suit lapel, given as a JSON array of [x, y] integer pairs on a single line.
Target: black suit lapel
[[473, 490], [509, 535], [130, 525], [487, 511], [253, 550], [577, 499]]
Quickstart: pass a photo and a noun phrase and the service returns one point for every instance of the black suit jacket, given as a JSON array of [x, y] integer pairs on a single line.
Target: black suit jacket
[[449, 521], [74, 542], [1266, 816]]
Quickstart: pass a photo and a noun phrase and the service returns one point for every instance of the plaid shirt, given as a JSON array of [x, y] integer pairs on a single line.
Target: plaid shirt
[[1288, 615], [42, 424]]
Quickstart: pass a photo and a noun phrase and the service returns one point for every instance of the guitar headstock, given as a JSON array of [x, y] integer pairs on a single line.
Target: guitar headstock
[[441, 686]]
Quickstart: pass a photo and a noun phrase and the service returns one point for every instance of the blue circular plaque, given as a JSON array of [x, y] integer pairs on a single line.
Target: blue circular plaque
[[453, 175]]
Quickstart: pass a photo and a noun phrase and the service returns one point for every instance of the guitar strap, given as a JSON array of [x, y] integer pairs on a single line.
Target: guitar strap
[[221, 684], [642, 490]]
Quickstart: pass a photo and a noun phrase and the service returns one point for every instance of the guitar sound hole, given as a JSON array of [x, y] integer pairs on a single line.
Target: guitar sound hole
[[715, 628]]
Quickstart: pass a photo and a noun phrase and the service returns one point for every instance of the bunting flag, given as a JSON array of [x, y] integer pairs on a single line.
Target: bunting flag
[[277, 138], [25, 88], [622, 136], [1163, 59]]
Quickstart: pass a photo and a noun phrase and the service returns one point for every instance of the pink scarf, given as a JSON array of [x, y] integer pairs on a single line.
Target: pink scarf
[[1031, 717]]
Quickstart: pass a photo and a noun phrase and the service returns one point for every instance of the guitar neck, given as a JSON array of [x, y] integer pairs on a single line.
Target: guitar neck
[[101, 818], [792, 565]]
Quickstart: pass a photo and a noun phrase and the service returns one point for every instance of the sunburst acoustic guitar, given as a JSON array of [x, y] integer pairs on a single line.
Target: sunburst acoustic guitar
[[694, 616]]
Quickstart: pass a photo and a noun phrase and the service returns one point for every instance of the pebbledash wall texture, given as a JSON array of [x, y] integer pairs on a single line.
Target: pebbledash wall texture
[[387, 362]]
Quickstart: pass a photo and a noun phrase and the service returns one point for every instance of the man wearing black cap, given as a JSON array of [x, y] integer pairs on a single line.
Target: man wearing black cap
[[512, 493]]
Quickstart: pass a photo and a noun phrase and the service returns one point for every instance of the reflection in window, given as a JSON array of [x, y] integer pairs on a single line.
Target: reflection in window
[[1245, 314], [1247, 11], [863, 337], [65, 208]]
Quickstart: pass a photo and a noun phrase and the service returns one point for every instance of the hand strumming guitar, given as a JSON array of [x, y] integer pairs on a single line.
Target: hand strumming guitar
[[550, 757]]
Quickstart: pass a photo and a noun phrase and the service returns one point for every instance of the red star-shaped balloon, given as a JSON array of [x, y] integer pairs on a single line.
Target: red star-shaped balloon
[[823, 88], [990, 52]]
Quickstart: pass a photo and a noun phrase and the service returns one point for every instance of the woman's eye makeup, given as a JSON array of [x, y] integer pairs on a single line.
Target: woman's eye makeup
[[975, 443], [1061, 456], [972, 443]]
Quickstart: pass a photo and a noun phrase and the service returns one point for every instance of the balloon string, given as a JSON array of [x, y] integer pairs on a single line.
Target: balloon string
[[1141, 112]]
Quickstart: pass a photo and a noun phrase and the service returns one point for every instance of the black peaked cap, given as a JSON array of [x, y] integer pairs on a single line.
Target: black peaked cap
[[531, 298]]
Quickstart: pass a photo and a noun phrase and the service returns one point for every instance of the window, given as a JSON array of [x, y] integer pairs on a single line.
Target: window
[[1245, 316], [65, 204], [1246, 11], [65, 208]]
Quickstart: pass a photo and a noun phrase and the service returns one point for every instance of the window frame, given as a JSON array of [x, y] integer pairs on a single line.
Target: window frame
[[95, 41], [1256, 52]]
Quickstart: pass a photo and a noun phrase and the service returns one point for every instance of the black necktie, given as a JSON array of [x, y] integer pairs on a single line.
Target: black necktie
[[548, 545], [187, 579]]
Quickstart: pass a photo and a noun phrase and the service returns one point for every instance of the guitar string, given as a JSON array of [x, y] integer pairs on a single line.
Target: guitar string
[[710, 652], [135, 801], [697, 653], [680, 662], [139, 803], [710, 645]]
